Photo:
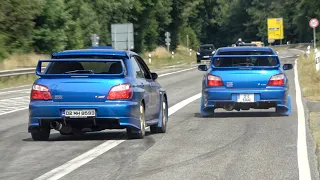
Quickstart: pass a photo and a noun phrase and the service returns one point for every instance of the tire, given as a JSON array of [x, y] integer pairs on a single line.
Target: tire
[[164, 119], [66, 134], [204, 112], [140, 133], [41, 134]]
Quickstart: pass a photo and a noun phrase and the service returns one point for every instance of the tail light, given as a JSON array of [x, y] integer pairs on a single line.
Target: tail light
[[40, 92], [122, 91], [214, 81], [276, 80]]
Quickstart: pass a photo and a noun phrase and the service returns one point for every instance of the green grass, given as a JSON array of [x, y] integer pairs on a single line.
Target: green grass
[[13, 81], [315, 130], [309, 77]]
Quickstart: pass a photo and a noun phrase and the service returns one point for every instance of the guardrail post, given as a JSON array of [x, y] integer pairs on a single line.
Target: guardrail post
[[150, 58], [190, 52], [172, 54]]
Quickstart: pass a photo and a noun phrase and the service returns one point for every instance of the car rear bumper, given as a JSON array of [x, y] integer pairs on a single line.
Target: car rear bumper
[[263, 98], [118, 114]]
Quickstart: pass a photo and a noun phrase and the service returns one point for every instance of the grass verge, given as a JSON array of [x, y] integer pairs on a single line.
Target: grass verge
[[161, 57], [315, 130], [309, 77], [13, 81]]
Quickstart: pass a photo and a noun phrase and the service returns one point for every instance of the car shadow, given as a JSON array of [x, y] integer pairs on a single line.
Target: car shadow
[[92, 136], [239, 114]]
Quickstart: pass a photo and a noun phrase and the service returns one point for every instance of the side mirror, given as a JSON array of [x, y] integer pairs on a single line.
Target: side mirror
[[287, 66], [202, 67], [154, 76]]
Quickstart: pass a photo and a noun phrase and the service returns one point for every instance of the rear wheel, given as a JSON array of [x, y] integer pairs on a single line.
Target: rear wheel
[[164, 119], [41, 134], [138, 133]]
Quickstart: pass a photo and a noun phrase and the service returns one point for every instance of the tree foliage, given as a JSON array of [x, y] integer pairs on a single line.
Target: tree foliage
[[48, 26]]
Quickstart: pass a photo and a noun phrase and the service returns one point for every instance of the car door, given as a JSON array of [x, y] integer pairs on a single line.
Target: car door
[[155, 91], [142, 82]]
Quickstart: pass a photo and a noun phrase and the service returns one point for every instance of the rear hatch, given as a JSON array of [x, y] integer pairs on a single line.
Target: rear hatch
[[245, 71], [75, 80]]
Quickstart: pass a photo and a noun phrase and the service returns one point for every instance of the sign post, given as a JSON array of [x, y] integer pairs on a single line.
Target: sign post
[[168, 40], [313, 23], [275, 29]]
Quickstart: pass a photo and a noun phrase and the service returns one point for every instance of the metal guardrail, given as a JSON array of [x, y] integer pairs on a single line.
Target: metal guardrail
[[17, 72]]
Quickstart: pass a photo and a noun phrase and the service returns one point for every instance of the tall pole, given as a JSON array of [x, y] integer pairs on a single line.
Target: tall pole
[[188, 41], [314, 38]]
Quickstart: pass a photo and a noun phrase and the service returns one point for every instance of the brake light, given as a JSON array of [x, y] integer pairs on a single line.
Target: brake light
[[276, 80], [214, 81], [122, 91], [40, 92]]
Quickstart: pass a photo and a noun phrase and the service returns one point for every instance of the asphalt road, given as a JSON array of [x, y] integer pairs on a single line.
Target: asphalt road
[[234, 145]]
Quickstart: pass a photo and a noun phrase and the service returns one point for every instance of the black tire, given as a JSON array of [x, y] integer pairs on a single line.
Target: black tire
[[164, 111], [41, 134], [135, 133]]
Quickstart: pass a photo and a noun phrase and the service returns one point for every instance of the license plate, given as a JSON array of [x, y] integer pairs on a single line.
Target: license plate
[[84, 113], [245, 98], [206, 56]]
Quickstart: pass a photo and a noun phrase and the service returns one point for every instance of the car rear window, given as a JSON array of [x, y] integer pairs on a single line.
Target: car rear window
[[246, 61], [85, 67], [245, 53]]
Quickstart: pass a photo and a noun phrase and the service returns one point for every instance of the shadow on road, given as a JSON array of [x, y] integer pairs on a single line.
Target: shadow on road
[[239, 114], [94, 136]]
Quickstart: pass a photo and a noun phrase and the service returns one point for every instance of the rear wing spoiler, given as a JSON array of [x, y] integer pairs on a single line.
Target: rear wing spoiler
[[245, 56], [43, 74]]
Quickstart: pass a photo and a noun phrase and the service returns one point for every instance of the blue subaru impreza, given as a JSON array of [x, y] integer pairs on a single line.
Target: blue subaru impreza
[[241, 78], [96, 89]]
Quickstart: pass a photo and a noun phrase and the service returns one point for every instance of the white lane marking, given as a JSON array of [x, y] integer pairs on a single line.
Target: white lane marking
[[183, 103], [20, 90], [302, 149], [166, 74], [86, 157], [8, 112]]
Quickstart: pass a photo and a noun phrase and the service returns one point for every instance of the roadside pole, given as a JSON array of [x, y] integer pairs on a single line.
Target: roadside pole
[[314, 23]]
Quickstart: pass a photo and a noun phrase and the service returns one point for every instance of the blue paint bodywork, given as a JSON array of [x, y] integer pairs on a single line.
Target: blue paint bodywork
[[90, 91], [245, 80]]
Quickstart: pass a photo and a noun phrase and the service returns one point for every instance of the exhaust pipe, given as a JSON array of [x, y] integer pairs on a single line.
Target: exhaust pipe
[[56, 125], [59, 127], [228, 107]]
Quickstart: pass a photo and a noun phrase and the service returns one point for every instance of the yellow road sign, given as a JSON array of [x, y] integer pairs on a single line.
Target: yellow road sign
[[275, 28]]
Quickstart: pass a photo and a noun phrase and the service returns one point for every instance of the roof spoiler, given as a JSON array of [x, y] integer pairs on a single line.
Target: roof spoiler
[[43, 74]]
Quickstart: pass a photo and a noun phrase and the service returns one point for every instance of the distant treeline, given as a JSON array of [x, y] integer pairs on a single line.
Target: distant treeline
[[47, 26]]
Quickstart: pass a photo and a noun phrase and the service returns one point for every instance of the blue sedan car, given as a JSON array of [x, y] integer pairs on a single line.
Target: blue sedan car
[[96, 89], [241, 78]]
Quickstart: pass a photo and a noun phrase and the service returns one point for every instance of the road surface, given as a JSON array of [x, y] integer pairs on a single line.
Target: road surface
[[234, 145]]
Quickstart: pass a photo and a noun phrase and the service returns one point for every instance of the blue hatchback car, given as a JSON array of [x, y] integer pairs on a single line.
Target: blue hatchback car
[[240, 78], [96, 89]]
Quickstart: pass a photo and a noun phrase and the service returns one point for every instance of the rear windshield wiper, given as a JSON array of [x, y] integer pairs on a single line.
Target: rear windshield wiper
[[80, 72]]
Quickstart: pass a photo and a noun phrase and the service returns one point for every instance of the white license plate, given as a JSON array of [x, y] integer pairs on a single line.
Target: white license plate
[[245, 98], [206, 56], [80, 113]]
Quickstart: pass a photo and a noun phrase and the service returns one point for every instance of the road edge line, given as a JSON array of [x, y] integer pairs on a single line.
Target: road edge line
[[302, 148]]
